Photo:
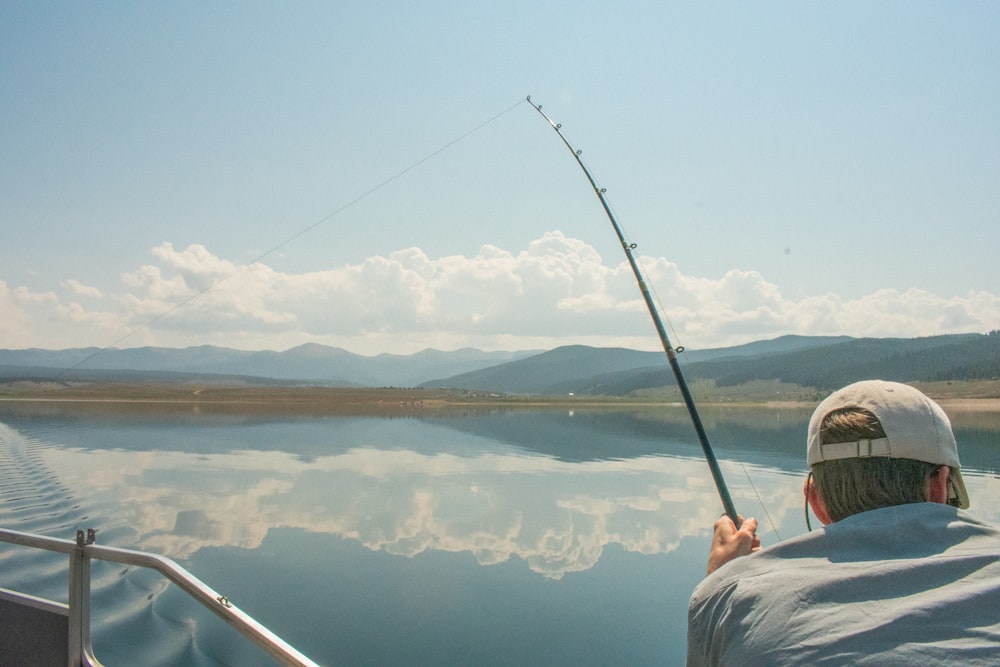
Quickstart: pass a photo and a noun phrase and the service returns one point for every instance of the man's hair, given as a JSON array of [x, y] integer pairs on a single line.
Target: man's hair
[[852, 485]]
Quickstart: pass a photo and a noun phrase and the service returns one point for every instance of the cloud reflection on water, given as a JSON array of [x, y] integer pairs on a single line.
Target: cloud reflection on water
[[557, 516], [497, 487]]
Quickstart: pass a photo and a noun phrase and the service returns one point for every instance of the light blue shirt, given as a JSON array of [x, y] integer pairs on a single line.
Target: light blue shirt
[[915, 584]]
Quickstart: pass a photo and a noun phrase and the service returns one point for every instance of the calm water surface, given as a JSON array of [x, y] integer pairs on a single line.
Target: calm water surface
[[490, 538]]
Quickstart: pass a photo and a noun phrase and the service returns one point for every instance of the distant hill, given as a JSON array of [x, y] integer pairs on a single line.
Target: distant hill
[[542, 373], [581, 369], [816, 362]]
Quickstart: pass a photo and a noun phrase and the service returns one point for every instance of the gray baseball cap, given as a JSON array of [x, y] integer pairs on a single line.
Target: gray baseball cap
[[915, 428]]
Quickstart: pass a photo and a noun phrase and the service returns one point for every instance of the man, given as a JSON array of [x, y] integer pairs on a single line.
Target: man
[[898, 575]]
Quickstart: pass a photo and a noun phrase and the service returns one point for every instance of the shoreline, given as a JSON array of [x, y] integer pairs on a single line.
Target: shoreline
[[965, 397]]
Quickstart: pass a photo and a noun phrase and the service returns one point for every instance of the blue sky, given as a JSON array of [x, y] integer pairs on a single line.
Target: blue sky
[[189, 173]]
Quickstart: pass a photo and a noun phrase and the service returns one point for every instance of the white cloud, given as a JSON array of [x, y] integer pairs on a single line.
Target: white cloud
[[556, 291], [79, 289], [20, 311]]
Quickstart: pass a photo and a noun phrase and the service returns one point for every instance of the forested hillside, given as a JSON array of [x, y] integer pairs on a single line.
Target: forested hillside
[[827, 364], [904, 360]]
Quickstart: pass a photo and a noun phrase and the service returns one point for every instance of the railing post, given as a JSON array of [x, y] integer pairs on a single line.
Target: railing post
[[79, 601]]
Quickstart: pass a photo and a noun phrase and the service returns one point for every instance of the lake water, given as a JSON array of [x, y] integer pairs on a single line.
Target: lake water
[[485, 537]]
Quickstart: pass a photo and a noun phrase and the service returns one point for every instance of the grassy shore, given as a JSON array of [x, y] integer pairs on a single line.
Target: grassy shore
[[132, 397]]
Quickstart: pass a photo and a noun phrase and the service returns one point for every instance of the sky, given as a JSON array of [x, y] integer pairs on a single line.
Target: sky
[[368, 175]]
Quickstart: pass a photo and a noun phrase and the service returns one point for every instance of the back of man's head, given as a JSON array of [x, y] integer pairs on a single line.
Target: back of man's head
[[875, 444]]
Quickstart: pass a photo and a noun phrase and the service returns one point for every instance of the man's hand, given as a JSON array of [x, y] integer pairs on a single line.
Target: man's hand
[[729, 542]]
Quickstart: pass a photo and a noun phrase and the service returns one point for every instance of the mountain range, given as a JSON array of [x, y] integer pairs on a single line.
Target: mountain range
[[817, 362], [306, 364]]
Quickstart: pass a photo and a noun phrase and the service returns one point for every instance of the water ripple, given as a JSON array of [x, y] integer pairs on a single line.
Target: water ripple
[[127, 627]]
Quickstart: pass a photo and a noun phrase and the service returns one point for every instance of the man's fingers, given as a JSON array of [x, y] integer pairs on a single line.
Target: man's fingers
[[724, 525], [730, 542]]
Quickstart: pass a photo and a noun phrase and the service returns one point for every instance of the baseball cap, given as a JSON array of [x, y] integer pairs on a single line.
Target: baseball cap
[[915, 428]]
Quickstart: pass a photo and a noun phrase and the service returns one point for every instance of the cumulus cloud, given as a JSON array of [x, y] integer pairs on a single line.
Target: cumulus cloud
[[20, 310], [79, 289], [557, 290]]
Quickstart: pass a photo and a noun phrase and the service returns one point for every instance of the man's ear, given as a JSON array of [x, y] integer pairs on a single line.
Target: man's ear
[[815, 501], [936, 488]]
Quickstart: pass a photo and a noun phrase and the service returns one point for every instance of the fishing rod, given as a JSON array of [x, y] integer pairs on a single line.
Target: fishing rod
[[713, 463]]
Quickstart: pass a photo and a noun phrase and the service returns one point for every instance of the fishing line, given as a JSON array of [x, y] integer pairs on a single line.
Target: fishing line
[[753, 487], [763, 506], [295, 236]]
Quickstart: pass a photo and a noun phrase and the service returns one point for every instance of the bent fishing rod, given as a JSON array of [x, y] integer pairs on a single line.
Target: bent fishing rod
[[713, 463]]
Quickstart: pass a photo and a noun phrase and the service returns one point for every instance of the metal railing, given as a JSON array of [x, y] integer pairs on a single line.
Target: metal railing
[[84, 549]]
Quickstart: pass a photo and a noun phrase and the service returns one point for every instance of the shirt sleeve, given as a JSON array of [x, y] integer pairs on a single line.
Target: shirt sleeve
[[708, 612]]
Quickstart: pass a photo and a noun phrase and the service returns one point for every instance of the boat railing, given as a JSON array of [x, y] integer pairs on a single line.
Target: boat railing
[[47, 619]]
